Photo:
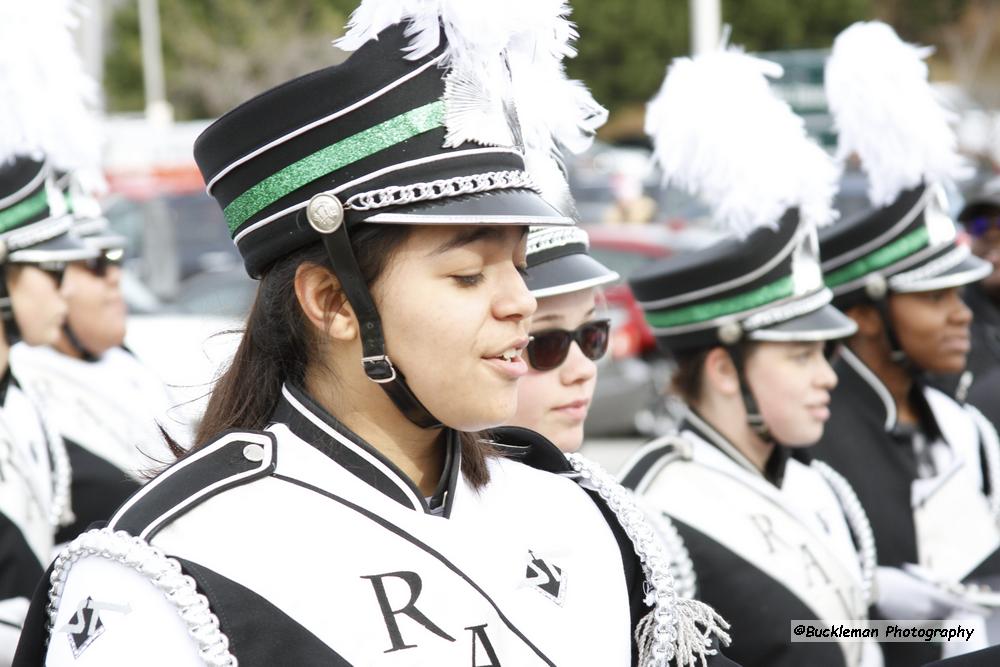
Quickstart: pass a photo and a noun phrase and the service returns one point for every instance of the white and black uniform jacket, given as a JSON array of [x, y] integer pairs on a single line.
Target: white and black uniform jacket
[[930, 491], [109, 412], [766, 548], [34, 499], [303, 545]]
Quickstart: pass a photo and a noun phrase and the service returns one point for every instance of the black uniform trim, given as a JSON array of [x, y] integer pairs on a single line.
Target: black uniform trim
[[98, 489], [392, 528], [637, 469], [300, 424], [209, 470], [5, 382], [758, 606], [19, 566], [260, 634]]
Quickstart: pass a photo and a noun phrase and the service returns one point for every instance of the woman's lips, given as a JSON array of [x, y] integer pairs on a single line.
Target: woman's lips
[[819, 412], [577, 410], [513, 369], [955, 344]]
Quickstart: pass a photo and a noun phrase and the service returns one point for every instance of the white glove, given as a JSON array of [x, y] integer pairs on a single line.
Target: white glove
[[902, 594]]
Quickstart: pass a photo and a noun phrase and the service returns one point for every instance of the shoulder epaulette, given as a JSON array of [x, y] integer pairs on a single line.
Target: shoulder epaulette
[[652, 457], [232, 459]]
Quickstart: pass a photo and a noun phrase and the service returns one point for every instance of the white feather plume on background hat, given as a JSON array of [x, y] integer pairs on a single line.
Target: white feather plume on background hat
[[886, 112], [47, 101], [720, 133]]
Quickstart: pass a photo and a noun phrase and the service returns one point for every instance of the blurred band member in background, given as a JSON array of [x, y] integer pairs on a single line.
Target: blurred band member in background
[[917, 458], [772, 537]]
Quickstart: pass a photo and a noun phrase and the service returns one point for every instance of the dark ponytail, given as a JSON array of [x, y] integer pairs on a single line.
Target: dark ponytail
[[279, 344]]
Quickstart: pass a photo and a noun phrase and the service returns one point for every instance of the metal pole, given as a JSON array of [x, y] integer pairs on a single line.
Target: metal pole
[[158, 110], [706, 22]]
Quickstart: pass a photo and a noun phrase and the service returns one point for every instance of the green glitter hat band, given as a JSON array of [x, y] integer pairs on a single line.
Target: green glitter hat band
[[24, 211], [887, 255], [331, 158], [711, 310]]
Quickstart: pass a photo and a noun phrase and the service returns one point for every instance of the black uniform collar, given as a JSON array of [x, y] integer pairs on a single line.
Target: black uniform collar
[[866, 387], [313, 424], [774, 469]]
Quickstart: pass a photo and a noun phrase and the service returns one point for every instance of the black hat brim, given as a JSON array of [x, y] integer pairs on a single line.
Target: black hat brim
[[62, 248], [569, 273], [971, 269], [826, 323]]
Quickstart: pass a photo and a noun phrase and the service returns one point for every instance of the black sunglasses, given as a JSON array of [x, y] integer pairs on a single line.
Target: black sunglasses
[[548, 349], [99, 265]]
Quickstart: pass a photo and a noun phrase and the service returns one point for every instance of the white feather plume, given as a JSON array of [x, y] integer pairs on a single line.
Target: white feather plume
[[485, 39], [47, 101], [885, 111], [720, 133]]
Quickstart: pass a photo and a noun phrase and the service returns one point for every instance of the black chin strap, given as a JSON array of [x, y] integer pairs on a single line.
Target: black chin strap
[[754, 418], [896, 352], [11, 332], [75, 343], [378, 366]]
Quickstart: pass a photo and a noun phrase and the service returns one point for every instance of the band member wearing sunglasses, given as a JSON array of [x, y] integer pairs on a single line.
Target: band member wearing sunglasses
[[772, 537], [341, 507], [34, 467], [106, 404], [918, 459], [567, 336], [981, 220]]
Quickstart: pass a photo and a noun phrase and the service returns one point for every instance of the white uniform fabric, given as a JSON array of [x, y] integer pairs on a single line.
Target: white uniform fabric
[[34, 497], [324, 542], [792, 535], [112, 406]]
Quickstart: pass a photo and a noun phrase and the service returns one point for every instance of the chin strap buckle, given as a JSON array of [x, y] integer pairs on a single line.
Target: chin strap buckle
[[379, 368]]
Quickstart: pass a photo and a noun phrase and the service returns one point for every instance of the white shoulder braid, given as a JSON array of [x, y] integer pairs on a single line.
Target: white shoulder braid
[[671, 630], [860, 526], [991, 454], [163, 572]]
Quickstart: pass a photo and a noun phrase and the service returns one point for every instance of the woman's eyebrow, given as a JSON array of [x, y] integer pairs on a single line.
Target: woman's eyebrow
[[469, 236]]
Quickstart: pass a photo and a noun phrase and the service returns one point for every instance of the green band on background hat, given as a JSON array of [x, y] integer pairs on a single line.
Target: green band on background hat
[[881, 258], [703, 312], [22, 211], [333, 157]]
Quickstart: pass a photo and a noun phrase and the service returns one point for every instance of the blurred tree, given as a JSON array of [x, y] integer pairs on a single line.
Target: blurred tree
[[625, 46], [218, 53]]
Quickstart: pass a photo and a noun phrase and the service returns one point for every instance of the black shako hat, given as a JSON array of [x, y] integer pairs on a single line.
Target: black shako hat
[[34, 222], [909, 246], [425, 123], [371, 132], [766, 287], [558, 262]]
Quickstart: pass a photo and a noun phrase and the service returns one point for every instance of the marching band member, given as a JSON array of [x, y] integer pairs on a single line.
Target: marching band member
[[106, 404], [772, 537], [917, 458]]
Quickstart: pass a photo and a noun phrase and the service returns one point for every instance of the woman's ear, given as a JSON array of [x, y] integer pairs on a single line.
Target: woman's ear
[[324, 303], [720, 372], [868, 320]]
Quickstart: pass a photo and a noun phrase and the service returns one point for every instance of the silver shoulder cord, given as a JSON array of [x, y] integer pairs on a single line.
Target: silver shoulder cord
[[672, 630], [859, 524], [163, 572], [991, 454]]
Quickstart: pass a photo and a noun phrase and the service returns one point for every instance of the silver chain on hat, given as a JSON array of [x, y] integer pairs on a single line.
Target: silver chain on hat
[[396, 195]]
